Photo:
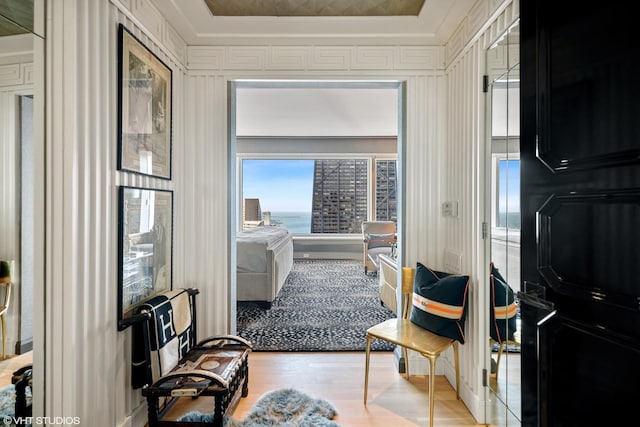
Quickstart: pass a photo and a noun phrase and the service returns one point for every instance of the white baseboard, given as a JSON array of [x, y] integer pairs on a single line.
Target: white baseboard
[[138, 417]]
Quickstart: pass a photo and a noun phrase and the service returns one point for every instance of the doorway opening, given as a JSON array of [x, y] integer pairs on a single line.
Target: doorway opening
[[317, 158]]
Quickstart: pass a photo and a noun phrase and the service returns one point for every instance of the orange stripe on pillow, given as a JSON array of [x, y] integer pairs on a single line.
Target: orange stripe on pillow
[[436, 308], [502, 312]]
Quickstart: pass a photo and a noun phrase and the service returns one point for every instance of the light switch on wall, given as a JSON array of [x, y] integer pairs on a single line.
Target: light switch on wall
[[450, 208]]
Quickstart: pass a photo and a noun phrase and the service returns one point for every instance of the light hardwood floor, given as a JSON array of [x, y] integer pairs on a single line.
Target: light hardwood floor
[[505, 400], [11, 364], [339, 378]]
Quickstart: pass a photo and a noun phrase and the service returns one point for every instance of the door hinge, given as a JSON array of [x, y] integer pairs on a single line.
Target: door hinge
[[485, 83], [485, 230], [484, 378]]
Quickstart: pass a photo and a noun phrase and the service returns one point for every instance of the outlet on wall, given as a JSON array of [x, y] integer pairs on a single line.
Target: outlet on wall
[[452, 261]]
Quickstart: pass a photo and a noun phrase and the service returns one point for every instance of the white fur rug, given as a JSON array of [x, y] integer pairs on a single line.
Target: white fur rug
[[7, 401]]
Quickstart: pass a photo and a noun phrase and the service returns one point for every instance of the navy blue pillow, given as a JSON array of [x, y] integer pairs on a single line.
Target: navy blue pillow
[[496, 272], [503, 308], [440, 302]]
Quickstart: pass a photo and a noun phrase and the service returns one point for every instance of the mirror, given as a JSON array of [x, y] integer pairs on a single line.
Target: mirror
[[22, 176], [503, 182]]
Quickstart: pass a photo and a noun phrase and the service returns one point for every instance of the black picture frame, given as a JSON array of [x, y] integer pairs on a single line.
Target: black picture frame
[[145, 86], [145, 247]]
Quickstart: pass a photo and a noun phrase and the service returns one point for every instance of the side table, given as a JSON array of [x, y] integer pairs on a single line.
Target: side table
[[388, 279]]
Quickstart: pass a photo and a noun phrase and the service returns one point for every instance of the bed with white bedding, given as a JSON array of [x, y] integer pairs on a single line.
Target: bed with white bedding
[[264, 260]]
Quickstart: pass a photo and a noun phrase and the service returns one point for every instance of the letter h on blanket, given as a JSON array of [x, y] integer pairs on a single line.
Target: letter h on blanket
[[177, 374]]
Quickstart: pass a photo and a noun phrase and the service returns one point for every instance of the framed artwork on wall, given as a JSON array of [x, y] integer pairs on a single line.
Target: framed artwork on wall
[[144, 109], [145, 246]]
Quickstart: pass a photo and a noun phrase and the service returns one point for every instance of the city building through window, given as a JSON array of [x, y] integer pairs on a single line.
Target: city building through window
[[320, 196]]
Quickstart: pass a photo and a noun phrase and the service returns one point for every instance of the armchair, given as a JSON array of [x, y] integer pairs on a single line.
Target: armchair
[[378, 238]]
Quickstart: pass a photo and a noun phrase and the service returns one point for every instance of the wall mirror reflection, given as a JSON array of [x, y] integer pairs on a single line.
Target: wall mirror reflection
[[503, 180], [21, 181]]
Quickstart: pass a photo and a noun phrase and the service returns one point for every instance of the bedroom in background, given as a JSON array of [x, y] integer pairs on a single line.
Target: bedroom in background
[[313, 160]]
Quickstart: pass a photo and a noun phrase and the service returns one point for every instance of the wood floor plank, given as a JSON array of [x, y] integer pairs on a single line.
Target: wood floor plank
[[339, 378], [12, 363]]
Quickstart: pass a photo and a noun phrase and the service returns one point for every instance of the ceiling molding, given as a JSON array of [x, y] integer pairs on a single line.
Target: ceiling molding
[[193, 21]]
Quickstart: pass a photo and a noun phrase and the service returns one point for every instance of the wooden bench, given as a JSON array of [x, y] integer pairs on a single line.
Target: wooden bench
[[22, 379], [174, 371]]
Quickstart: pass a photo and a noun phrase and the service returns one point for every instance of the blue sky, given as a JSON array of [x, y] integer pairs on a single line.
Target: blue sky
[[287, 185], [281, 185], [509, 169]]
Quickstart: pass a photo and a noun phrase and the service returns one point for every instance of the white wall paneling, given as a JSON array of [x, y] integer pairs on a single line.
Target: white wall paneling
[[464, 182], [81, 342], [485, 16], [205, 192], [16, 74], [145, 17], [460, 183], [87, 360]]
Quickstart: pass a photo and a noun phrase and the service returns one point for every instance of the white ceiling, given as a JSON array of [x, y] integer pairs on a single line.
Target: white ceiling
[[435, 24], [320, 111]]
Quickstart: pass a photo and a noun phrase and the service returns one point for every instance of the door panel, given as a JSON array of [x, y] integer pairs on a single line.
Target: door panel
[[594, 223], [596, 387], [589, 91], [580, 189]]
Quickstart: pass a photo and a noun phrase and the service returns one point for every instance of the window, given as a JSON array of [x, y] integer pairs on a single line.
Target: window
[[386, 185], [339, 195], [318, 196], [508, 197]]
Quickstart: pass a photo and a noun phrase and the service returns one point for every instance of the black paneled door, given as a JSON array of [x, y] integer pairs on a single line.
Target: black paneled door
[[580, 189]]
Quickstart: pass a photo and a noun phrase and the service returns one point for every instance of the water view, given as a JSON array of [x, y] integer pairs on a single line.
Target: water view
[[295, 222]]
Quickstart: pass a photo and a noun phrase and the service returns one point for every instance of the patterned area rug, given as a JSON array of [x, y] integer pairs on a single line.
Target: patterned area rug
[[509, 348], [323, 306]]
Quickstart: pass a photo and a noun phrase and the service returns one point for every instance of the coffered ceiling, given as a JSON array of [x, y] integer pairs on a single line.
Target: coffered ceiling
[[314, 7], [330, 22], [16, 17]]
